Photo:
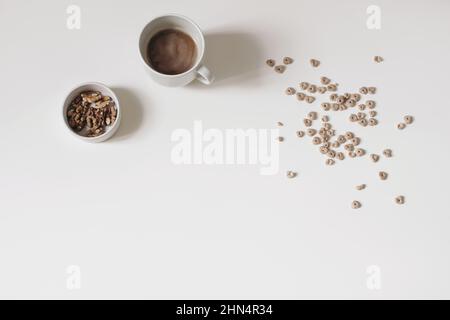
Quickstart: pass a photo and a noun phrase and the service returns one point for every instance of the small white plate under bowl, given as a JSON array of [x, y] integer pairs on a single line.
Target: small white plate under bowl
[[105, 91]]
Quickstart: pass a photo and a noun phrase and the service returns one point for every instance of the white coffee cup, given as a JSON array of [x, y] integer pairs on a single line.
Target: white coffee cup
[[178, 22]]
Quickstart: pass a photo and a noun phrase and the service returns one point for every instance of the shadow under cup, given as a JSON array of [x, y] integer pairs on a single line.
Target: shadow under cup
[[179, 23]]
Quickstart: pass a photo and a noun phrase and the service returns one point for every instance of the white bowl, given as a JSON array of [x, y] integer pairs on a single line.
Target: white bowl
[[104, 90]]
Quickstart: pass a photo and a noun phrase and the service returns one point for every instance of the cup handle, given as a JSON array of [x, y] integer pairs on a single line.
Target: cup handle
[[204, 75]]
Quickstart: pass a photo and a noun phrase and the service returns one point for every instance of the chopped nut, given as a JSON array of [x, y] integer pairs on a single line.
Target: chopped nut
[[112, 110], [349, 135], [323, 149], [350, 103], [408, 119], [372, 122], [99, 104], [360, 152], [291, 174], [79, 108], [312, 88], [290, 91], [370, 104], [351, 154], [331, 153], [363, 122], [373, 113], [315, 63], [401, 126], [280, 124], [374, 157], [310, 99], [383, 175], [304, 85], [312, 115], [372, 90], [356, 97], [361, 187], [322, 90], [355, 141], [324, 80], [91, 97], [356, 204], [400, 200], [280, 69], [378, 59], [326, 144], [326, 106], [287, 60], [300, 134], [280, 139], [301, 96], [327, 125], [307, 122], [270, 62], [333, 96], [363, 90], [316, 140], [332, 87], [340, 156], [353, 118], [325, 119], [329, 162], [387, 153], [311, 132], [349, 147], [95, 132], [341, 139], [362, 106]]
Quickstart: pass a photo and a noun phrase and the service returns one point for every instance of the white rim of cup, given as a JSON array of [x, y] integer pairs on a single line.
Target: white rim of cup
[[66, 102], [199, 31]]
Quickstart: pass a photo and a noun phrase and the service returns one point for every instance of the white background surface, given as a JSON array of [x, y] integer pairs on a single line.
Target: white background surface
[[140, 227]]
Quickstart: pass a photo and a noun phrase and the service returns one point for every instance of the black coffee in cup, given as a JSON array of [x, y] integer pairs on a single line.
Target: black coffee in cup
[[171, 52]]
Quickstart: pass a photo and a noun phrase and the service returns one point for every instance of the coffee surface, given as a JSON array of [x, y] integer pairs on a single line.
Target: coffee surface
[[171, 52]]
